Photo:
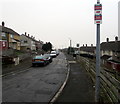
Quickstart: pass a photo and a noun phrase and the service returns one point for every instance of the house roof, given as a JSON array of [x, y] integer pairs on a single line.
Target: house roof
[[88, 48], [111, 46], [105, 57], [8, 30]]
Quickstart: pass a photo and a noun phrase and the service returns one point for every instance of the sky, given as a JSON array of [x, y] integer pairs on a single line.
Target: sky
[[59, 21]]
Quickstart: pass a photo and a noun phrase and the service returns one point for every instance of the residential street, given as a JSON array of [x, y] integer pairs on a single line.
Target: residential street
[[37, 84]]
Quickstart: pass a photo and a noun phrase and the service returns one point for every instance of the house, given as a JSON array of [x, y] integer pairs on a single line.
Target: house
[[27, 42], [110, 51], [88, 49], [39, 45], [9, 38], [111, 48]]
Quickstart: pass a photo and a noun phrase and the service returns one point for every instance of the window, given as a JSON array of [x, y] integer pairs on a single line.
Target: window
[[11, 35], [25, 41]]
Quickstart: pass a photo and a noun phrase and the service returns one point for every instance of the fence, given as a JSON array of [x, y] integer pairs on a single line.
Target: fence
[[109, 80]]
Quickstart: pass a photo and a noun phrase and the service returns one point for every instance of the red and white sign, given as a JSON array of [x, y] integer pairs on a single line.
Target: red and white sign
[[98, 17], [98, 7], [98, 13]]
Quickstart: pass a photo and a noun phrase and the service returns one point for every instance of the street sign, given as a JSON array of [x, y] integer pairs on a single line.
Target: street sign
[[98, 7], [98, 13]]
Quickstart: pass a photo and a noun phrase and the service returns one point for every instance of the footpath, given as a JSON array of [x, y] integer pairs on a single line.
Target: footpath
[[79, 87]]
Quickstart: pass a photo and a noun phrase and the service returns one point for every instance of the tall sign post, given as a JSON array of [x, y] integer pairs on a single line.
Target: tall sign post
[[98, 21]]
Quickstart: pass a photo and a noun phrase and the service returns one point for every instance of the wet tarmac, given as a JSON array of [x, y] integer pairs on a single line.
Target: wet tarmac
[[38, 84], [79, 87]]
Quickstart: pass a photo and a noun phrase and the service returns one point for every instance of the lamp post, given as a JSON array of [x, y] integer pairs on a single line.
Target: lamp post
[[70, 44], [98, 19]]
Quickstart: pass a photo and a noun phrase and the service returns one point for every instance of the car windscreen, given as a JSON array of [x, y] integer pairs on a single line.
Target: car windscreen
[[38, 57], [53, 52]]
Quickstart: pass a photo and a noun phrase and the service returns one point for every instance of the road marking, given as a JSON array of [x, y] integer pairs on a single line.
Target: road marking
[[61, 88], [71, 62]]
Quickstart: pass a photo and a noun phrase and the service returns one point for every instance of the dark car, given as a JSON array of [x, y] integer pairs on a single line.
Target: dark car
[[7, 60], [48, 57], [40, 60]]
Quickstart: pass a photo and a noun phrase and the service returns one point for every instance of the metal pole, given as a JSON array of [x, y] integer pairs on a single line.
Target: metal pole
[[70, 46], [97, 86]]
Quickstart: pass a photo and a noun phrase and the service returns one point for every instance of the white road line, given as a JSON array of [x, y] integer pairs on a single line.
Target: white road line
[[61, 88]]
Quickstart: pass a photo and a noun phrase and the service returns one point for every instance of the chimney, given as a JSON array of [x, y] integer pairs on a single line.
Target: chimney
[[28, 35], [91, 45], [116, 38], [107, 39], [3, 23], [86, 45], [25, 33], [83, 45]]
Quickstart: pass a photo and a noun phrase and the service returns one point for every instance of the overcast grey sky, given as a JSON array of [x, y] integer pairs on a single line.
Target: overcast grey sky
[[58, 21]]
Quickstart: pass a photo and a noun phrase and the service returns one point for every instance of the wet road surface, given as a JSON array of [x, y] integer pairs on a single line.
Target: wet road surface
[[38, 84]]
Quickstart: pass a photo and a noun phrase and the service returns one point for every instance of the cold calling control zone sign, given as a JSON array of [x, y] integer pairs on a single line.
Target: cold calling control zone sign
[[98, 13]]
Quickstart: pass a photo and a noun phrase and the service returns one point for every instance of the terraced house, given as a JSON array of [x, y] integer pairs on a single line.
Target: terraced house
[[9, 38], [27, 42]]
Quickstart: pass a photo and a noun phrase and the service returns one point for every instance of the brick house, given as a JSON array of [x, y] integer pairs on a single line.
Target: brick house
[[88, 49], [9, 38], [27, 42], [111, 48]]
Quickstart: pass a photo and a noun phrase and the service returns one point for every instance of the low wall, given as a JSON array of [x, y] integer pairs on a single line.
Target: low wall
[[109, 80], [7, 52]]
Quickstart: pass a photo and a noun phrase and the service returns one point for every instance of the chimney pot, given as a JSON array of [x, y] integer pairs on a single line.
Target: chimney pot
[[3, 23], [25, 33], [107, 39], [116, 38]]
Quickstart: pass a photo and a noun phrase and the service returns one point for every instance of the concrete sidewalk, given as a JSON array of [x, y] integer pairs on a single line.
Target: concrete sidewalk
[[79, 87]]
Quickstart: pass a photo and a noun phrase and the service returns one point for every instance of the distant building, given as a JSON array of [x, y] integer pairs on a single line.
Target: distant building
[[88, 49], [119, 20]]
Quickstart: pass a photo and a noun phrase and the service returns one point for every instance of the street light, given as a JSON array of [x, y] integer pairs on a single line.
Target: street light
[[98, 18], [70, 44]]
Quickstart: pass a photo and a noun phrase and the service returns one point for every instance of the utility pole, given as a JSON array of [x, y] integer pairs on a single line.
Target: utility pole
[[98, 21], [70, 45]]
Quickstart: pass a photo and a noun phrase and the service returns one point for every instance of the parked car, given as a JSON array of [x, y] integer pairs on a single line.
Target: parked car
[[7, 60], [57, 52], [40, 60], [48, 57], [53, 54]]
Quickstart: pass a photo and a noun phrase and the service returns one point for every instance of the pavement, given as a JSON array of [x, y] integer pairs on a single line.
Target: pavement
[[79, 87]]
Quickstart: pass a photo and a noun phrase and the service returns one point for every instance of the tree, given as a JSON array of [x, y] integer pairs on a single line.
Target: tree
[[47, 47], [70, 50]]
